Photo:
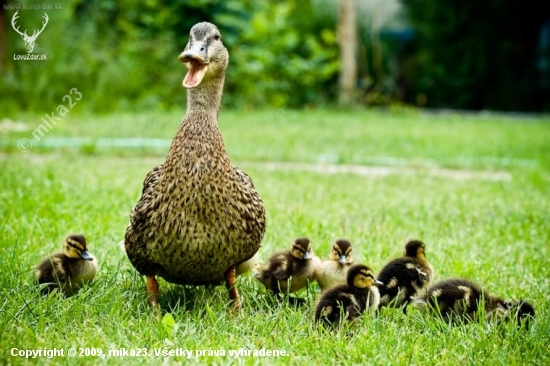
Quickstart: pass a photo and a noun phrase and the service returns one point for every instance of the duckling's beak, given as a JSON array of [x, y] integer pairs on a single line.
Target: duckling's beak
[[378, 283], [197, 61], [306, 256], [342, 259], [86, 255]]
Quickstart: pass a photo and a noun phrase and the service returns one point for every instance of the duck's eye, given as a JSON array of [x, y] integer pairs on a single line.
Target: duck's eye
[[217, 37]]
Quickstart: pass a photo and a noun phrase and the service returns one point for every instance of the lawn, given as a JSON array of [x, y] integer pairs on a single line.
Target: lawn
[[474, 188]]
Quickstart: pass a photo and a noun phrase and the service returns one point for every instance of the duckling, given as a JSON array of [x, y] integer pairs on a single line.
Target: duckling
[[67, 270], [199, 216], [405, 277], [333, 271], [350, 300], [289, 271], [460, 299]]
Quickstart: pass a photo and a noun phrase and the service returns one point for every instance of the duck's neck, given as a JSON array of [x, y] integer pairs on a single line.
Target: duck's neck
[[206, 98], [198, 135]]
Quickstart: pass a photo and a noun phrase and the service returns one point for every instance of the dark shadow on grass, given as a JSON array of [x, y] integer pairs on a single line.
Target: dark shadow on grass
[[186, 298]]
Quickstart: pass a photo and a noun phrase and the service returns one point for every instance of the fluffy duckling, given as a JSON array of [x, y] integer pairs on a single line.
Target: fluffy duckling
[[405, 277], [333, 271], [67, 270], [289, 271], [457, 298], [350, 300]]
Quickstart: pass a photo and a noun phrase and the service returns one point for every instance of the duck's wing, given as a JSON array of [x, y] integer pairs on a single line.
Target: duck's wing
[[151, 180], [149, 185], [252, 206], [134, 240], [243, 177]]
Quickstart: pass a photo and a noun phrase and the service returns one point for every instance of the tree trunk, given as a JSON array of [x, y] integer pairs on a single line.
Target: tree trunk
[[347, 38], [3, 36]]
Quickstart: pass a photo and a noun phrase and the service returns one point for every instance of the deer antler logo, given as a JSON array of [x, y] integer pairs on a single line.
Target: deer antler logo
[[29, 41]]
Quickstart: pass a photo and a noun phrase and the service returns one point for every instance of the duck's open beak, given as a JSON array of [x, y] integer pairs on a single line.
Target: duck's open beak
[[86, 255], [196, 61]]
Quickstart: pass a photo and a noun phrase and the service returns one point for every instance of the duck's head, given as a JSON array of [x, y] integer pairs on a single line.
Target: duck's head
[[423, 276], [341, 252], [205, 56], [522, 311], [76, 246], [361, 277], [301, 249], [415, 249]]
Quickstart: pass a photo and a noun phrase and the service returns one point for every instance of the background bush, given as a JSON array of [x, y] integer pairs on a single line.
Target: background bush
[[493, 54], [284, 53], [123, 54]]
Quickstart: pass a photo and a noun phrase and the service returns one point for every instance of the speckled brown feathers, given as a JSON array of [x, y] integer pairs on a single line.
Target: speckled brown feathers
[[459, 299], [68, 270], [350, 300], [198, 215], [405, 277]]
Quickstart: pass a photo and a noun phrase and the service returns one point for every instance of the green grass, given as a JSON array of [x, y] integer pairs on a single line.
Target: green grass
[[488, 221]]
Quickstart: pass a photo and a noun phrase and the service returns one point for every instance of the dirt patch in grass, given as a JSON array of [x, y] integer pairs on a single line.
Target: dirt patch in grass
[[321, 168], [384, 171]]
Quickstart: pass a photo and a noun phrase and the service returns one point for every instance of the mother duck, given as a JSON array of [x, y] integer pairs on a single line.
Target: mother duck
[[199, 217]]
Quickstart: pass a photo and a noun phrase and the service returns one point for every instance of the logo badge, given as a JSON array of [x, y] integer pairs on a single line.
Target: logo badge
[[29, 40]]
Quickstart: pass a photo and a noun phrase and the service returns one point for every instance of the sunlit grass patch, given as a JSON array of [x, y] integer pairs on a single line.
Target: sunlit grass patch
[[493, 231]]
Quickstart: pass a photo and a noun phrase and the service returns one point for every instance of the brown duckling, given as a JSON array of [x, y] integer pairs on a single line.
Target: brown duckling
[[350, 300], [460, 299], [67, 270], [405, 277], [290, 270], [333, 271]]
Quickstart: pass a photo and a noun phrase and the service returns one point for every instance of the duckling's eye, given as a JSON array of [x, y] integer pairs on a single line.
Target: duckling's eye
[[367, 275], [217, 37]]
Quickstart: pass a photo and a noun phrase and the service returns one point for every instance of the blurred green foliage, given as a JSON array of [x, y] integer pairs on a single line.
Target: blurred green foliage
[[491, 54], [123, 54]]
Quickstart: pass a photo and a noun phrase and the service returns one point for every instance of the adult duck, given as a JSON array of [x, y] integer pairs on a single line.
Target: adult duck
[[199, 217]]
